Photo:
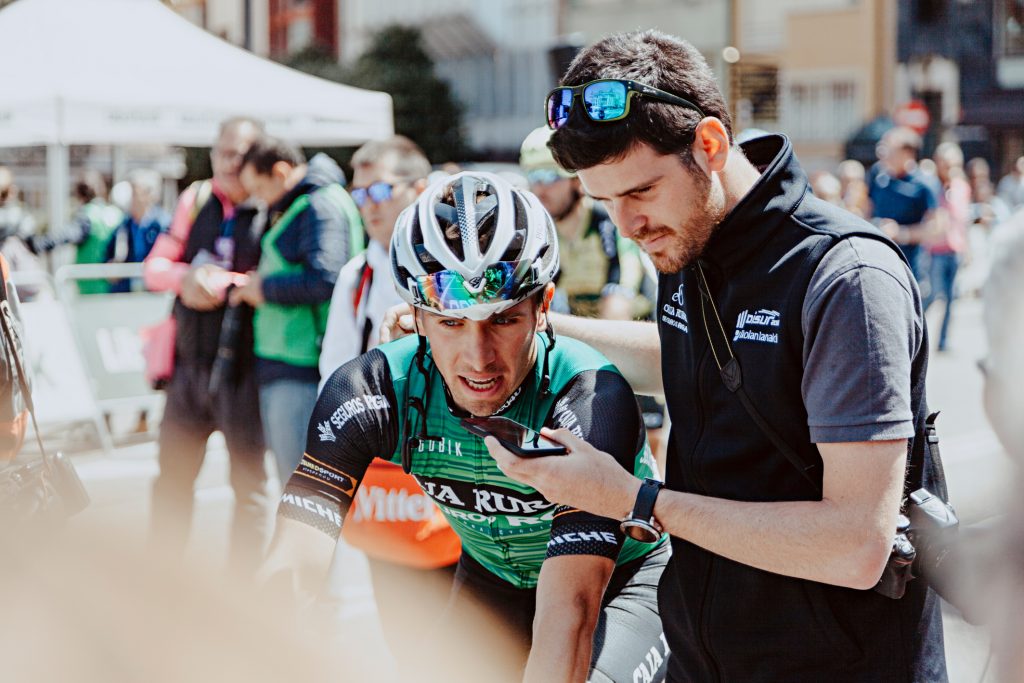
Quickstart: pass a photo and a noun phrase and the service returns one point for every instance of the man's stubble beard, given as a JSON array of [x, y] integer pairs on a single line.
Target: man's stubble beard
[[687, 242]]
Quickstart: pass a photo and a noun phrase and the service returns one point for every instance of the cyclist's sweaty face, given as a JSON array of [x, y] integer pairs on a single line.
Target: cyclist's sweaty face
[[483, 362]]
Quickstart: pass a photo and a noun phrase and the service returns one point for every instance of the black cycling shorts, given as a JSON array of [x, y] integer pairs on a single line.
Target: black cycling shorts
[[629, 644]]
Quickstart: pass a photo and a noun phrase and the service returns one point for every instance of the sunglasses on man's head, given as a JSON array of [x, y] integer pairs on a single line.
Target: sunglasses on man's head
[[378, 193], [605, 100]]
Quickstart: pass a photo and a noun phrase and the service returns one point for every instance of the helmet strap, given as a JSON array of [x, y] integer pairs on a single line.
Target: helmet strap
[[545, 380]]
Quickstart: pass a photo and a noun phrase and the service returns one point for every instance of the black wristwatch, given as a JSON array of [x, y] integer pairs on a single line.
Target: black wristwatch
[[640, 525]]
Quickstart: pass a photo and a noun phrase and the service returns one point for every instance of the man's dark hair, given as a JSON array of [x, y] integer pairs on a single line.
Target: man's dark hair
[[652, 58], [267, 151], [89, 185], [399, 154]]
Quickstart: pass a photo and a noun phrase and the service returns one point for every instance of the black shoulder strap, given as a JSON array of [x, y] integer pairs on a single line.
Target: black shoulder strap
[[732, 377]]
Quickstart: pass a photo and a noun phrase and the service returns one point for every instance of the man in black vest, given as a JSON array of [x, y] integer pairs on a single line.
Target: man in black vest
[[791, 350], [213, 240]]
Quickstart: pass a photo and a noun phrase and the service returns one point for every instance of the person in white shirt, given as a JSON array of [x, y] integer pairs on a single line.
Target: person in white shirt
[[407, 556], [388, 175]]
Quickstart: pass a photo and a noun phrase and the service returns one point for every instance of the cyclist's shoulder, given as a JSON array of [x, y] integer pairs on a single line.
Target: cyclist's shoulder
[[579, 355], [399, 356], [573, 361]]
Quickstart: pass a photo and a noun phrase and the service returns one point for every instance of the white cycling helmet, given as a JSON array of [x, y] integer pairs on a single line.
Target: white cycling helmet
[[440, 264]]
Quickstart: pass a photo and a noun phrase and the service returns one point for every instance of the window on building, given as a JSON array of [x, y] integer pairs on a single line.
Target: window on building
[[755, 89], [1010, 28], [820, 110]]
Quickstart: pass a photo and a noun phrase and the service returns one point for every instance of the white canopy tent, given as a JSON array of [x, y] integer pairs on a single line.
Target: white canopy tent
[[133, 71]]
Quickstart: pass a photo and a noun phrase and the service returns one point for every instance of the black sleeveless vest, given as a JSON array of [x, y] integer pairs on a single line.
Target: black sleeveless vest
[[199, 331], [728, 621]]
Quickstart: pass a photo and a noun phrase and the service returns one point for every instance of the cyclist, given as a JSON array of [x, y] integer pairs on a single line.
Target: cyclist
[[476, 259]]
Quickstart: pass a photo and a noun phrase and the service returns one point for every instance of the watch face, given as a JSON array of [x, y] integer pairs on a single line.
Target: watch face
[[639, 530]]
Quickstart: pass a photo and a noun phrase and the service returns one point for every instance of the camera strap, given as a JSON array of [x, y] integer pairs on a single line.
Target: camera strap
[[732, 377], [12, 344]]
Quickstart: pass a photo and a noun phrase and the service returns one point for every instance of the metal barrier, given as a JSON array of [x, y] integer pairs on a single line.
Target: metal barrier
[[86, 348]]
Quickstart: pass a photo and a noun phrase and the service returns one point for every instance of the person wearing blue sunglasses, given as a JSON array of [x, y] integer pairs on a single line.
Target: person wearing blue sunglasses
[[792, 353]]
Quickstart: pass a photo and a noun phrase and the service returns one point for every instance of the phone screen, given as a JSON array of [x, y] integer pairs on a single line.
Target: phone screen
[[518, 438]]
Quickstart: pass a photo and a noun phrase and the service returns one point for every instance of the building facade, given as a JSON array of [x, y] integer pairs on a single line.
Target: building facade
[[813, 69], [494, 53], [965, 61]]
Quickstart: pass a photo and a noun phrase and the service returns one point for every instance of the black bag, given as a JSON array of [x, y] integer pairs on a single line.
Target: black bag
[[47, 489]]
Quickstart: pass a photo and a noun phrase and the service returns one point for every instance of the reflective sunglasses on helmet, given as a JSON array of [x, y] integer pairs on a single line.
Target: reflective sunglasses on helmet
[[448, 290], [377, 192], [605, 100]]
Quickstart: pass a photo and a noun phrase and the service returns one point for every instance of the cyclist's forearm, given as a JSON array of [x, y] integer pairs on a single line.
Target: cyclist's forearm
[[634, 347], [562, 645], [299, 555]]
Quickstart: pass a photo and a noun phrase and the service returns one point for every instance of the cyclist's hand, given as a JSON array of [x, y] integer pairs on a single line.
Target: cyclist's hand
[[585, 478], [398, 323]]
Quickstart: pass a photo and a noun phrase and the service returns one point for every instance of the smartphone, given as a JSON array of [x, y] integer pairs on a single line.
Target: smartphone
[[521, 440]]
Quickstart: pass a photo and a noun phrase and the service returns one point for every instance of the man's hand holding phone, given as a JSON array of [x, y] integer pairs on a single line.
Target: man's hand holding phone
[[517, 438], [584, 478]]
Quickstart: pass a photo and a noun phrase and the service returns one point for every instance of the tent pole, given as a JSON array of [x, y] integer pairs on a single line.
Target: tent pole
[[58, 186]]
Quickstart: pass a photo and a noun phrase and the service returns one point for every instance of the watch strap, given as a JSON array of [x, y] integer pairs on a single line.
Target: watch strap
[[643, 508]]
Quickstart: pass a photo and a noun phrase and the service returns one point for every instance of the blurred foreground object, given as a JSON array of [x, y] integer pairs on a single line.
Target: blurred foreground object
[[47, 489], [1002, 583]]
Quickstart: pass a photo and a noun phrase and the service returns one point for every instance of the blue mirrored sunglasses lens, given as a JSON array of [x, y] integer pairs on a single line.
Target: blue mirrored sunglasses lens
[[559, 105], [377, 193], [380, 192], [605, 100]]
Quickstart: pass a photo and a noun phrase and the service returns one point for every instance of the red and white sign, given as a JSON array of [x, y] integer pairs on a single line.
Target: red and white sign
[[913, 114]]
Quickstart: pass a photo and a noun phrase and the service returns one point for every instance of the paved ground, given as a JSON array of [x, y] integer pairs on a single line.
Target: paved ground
[[976, 468]]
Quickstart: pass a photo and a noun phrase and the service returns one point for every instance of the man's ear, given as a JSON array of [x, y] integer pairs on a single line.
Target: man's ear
[[711, 144], [545, 306], [420, 185], [281, 170]]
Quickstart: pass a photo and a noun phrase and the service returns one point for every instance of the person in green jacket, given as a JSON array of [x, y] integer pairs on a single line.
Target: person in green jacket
[[90, 229], [315, 229]]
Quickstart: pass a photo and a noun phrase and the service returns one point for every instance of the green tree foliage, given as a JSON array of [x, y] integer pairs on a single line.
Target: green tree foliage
[[425, 108]]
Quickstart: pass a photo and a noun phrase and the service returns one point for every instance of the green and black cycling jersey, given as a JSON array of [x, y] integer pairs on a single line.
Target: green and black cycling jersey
[[506, 527]]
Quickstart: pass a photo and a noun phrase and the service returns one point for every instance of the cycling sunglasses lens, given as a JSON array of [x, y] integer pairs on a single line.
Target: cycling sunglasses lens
[[358, 195], [605, 100], [542, 176], [447, 290], [559, 105], [380, 192]]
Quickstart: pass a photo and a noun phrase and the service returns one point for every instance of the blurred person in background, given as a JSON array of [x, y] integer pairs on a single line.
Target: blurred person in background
[[987, 208], [826, 186], [406, 553], [903, 199], [17, 232], [212, 241], [1003, 368], [89, 230], [146, 220], [853, 188], [987, 211], [315, 228], [949, 245], [1011, 186], [601, 273]]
